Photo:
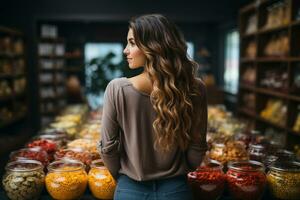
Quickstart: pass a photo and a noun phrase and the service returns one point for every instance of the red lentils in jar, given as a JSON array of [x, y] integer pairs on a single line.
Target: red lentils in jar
[[208, 181], [246, 179]]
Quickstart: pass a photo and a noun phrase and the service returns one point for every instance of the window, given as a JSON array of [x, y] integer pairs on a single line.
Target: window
[[100, 50], [231, 68], [190, 49]]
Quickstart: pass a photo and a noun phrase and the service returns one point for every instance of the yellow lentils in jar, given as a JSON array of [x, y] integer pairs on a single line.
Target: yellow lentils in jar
[[101, 183], [66, 179], [284, 180]]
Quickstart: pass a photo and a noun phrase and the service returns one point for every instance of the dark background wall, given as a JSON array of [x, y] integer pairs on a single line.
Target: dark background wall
[[202, 22]]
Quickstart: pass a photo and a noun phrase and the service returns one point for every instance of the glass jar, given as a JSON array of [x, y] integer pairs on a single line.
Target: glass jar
[[23, 179], [76, 154], [217, 152], [101, 183], [285, 155], [61, 138], [257, 152], [229, 151], [70, 128], [47, 145], [66, 179], [208, 181], [246, 179], [269, 160], [86, 144], [35, 153], [284, 180], [244, 138]]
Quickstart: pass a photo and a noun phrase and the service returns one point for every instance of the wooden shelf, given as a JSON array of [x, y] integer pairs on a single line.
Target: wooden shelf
[[246, 60], [261, 63], [51, 40], [248, 112], [272, 92], [259, 118], [6, 98], [10, 55], [248, 8], [74, 57], [294, 132], [74, 69], [51, 57], [249, 35], [12, 101], [10, 31], [5, 76], [247, 87], [273, 29], [295, 23], [295, 59], [13, 120], [272, 59]]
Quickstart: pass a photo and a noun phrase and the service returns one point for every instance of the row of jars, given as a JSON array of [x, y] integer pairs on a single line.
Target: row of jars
[[66, 179], [246, 180]]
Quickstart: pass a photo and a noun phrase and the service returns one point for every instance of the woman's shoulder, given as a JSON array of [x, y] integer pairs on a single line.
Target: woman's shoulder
[[118, 82]]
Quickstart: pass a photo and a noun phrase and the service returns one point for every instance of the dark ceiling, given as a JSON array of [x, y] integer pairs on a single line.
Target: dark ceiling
[[202, 11]]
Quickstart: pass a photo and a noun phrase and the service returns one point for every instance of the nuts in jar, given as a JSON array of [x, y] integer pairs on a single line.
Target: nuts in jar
[[24, 179], [229, 151], [101, 182], [66, 179]]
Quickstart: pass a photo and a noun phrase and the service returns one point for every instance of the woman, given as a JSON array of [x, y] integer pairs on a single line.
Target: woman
[[154, 125]]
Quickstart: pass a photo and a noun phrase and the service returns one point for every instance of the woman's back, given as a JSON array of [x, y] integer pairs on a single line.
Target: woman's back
[[134, 115]]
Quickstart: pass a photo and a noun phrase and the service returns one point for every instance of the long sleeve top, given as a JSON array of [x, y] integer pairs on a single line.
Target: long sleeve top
[[127, 136]]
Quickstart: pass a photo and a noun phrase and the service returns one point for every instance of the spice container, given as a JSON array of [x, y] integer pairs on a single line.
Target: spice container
[[101, 183], [76, 154], [86, 144], [71, 128], [23, 179], [60, 138], [229, 151], [66, 179], [208, 181], [257, 152], [35, 153], [284, 180], [47, 145], [246, 179]]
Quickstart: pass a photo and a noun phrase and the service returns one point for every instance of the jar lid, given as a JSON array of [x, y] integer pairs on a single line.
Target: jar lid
[[65, 165], [99, 164], [210, 165], [256, 146], [287, 166], [24, 165], [247, 165]]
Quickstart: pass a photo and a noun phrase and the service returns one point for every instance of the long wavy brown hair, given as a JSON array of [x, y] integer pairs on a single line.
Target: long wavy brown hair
[[173, 76]]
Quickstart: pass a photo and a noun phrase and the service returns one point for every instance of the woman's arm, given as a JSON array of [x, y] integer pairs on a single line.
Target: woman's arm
[[109, 144], [198, 146]]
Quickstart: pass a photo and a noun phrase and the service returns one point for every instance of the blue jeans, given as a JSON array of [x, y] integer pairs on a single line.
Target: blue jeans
[[165, 189]]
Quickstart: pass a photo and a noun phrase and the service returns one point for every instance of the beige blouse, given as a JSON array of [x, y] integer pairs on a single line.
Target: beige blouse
[[127, 137]]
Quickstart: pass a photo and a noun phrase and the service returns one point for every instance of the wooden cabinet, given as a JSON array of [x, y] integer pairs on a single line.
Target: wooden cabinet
[[13, 81], [269, 85]]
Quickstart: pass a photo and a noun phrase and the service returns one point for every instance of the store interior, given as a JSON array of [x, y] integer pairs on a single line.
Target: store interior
[[57, 57]]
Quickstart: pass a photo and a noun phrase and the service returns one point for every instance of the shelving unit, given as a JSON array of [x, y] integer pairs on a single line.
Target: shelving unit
[[13, 82], [270, 56], [74, 57], [51, 62]]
